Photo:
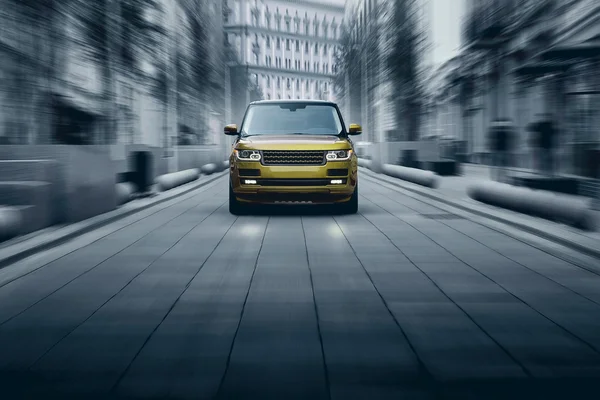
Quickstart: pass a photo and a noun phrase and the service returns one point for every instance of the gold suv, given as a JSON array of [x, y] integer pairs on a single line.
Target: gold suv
[[293, 152]]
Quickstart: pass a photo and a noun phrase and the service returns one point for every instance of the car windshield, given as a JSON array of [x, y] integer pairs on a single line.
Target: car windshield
[[292, 118]]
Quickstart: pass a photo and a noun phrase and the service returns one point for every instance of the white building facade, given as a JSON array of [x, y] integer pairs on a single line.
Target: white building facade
[[287, 45]]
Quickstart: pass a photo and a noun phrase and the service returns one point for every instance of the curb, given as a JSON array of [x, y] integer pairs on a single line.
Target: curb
[[55, 241], [590, 251]]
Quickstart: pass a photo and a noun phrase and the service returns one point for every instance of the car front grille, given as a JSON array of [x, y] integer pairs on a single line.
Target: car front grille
[[293, 157]]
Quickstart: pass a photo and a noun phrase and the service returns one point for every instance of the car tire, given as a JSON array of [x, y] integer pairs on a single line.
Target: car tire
[[351, 206], [235, 206]]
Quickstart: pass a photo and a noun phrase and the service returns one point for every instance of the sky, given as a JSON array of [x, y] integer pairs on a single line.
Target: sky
[[446, 18]]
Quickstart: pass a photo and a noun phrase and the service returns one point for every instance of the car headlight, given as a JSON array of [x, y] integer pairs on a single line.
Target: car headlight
[[339, 155], [247, 155]]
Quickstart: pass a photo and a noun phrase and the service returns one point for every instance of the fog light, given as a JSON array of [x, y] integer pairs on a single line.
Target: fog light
[[337, 182], [250, 182]]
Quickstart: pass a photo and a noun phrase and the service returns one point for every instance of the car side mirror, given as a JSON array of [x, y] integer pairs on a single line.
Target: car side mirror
[[231, 130], [354, 129]]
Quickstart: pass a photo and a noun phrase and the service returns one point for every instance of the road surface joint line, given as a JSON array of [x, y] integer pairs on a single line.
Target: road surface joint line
[[97, 265], [526, 267], [554, 253], [316, 308], [124, 373], [56, 241], [535, 231], [239, 324], [505, 350], [508, 258], [567, 331], [424, 372], [123, 288], [201, 189]]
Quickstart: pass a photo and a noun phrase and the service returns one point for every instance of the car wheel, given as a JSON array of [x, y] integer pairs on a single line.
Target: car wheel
[[235, 207], [351, 206]]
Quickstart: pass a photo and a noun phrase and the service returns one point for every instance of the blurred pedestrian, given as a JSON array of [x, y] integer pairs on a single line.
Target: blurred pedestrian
[[543, 138], [500, 136]]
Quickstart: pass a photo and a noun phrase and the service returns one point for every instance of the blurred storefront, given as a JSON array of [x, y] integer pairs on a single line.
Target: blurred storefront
[[543, 58]]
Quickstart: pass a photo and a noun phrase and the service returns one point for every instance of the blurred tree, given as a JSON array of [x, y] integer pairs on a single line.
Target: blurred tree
[[403, 65], [347, 58]]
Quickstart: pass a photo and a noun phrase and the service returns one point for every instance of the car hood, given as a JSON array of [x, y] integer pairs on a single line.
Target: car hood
[[293, 142]]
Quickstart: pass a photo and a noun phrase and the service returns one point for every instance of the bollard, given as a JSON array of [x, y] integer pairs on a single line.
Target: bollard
[[208, 169], [363, 162], [125, 192], [169, 181], [10, 223], [536, 203], [414, 175]]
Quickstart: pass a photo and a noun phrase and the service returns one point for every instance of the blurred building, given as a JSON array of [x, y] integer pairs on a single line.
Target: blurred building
[[26, 59], [525, 58], [61, 84], [286, 46]]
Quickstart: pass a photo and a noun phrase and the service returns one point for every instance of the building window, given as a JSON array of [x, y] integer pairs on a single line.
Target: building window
[[316, 49], [297, 45], [287, 44], [306, 48], [297, 84], [278, 97], [289, 85], [287, 25], [268, 96], [256, 58], [278, 44], [307, 85], [268, 42], [268, 84], [278, 83], [324, 49]]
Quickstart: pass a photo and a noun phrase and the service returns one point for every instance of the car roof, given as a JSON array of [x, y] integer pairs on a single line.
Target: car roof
[[323, 102]]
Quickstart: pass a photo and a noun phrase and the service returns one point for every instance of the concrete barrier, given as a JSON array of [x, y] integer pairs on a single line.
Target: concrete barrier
[[537, 203], [10, 222], [169, 181], [125, 191], [208, 169], [418, 176], [225, 164]]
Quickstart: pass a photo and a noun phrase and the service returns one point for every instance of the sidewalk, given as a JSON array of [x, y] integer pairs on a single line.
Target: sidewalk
[[452, 190], [22, 247]]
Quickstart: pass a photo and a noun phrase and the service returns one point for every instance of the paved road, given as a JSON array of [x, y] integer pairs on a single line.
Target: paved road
[[399, 301]]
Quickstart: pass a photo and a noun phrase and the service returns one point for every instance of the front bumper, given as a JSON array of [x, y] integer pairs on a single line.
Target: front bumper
[[301, 183]]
